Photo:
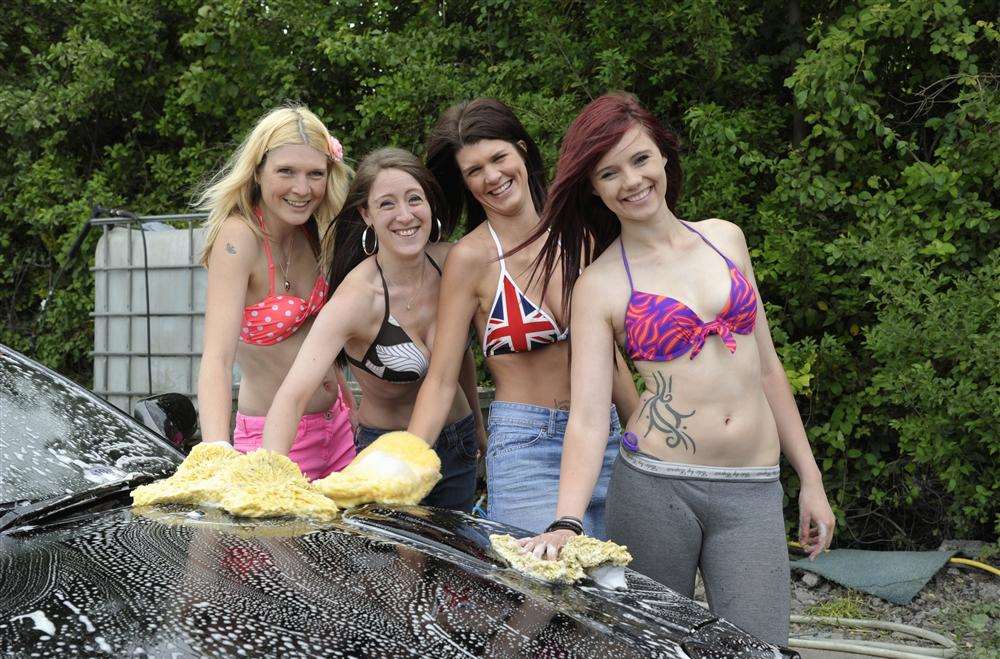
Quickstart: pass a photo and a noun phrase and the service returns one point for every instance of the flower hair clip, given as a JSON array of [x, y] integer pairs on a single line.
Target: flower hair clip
[[336, 148]]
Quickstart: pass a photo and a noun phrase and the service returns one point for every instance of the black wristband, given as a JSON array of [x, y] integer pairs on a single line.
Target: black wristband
[[566, 524]]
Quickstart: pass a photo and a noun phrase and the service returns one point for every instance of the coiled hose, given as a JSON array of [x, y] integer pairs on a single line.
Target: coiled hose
[[945, 647]]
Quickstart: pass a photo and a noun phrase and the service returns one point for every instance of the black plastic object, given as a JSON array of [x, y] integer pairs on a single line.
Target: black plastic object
[[172, 415]]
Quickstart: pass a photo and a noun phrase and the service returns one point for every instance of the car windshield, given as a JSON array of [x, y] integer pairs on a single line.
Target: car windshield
[[57, 438]]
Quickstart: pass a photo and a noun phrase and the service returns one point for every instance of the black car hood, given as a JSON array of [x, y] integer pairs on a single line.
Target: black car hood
[[379, 582], [57, 438], [92, 577]]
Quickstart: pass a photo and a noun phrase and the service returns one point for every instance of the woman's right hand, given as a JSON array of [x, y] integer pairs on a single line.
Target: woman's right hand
[[546, 545]]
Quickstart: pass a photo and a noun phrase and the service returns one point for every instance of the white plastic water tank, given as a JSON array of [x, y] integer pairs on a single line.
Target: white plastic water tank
[[176, 310]]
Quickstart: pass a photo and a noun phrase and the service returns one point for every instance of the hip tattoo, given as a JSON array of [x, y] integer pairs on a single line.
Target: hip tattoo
[[664, 418]]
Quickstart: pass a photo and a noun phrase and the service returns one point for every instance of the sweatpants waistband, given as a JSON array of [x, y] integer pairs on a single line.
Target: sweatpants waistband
[[650, 465]]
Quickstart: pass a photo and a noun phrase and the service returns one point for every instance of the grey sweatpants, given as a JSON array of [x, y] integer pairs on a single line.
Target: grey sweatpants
[[732, 529]]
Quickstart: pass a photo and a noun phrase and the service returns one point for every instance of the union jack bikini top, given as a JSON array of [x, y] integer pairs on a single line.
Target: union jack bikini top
[[516, 324], [660, 328]]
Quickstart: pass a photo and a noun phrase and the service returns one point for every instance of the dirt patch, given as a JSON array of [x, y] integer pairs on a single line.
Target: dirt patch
[[962, 603]]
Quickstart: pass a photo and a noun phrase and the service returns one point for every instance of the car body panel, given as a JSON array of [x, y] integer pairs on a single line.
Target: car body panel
[[57, 438], [379, 581]]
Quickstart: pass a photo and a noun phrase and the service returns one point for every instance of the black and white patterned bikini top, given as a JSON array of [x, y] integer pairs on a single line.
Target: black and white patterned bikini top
[[393, 356]]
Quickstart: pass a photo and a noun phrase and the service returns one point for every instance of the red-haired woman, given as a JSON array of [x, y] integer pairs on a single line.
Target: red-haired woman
[[489, 166], [696, 482]]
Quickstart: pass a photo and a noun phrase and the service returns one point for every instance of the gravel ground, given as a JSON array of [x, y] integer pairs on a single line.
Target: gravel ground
[[962, 603]]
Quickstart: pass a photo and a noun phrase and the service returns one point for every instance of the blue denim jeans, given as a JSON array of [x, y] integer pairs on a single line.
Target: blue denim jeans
[[456, 446], [522, 467]]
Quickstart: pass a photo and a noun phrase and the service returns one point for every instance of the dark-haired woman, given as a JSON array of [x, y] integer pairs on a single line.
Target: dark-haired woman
[[696, 484], [489, 166], [385, 271]]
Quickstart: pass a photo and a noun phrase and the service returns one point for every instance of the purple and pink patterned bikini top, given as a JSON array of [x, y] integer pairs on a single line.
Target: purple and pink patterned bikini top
[[660, 328]]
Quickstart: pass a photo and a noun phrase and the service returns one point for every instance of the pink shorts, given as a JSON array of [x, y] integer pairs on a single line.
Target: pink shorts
[[323, 444]]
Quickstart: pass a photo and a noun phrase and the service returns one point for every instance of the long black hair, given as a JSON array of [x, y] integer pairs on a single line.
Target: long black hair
[[469, 122], [342, 248]]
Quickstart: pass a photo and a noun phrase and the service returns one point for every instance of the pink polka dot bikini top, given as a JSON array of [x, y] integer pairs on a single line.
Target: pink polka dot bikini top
[[277, 317]]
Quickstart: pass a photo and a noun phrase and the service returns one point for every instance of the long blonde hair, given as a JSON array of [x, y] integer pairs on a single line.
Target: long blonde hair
[[233, 190]]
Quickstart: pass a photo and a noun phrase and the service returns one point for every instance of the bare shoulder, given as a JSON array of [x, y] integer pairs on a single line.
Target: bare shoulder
[[467, 255], [723, 231], [727, 236], [608, 266], [237, 247], [359, 297], [439, 251], [603, 283], [237, 230]]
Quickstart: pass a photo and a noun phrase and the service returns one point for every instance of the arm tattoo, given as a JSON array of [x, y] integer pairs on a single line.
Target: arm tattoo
[[665, 418], [560, 405], [230, 248]]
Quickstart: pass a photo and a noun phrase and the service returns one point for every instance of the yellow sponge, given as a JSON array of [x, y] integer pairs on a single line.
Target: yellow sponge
[[580, 553], [397, 468], [258, 484], [192, 482]]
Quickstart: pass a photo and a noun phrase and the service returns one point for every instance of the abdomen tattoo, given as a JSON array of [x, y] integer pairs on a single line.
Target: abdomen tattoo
[[663, 417]]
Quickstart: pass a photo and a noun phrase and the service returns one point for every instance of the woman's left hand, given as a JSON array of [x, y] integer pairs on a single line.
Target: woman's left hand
[[816, 520], [546, 545]]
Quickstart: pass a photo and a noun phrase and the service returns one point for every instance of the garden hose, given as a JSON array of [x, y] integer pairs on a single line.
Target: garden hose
[[958, 561], [982, 566], [945, 646]]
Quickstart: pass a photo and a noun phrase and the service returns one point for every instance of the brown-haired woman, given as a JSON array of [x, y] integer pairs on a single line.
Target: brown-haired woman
[[490, 167], [385, 274]]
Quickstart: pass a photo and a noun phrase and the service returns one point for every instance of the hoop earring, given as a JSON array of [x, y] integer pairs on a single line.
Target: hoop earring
[[437, 220], [364, 247]]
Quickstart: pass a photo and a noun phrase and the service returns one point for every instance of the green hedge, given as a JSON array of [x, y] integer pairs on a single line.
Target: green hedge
[[855, 143]]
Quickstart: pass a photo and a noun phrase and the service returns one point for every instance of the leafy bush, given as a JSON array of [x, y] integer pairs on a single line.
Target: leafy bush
[[855, 144]]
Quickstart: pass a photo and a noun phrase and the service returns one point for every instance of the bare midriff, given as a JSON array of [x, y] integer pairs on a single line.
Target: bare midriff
[[710, 410], [263, 368], [538, 377], [389, 405]]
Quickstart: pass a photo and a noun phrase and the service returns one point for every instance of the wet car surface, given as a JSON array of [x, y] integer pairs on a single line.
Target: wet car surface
[[81, 573]]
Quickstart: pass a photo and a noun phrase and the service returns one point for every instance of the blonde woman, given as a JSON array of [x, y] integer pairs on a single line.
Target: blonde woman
[[267, 208]]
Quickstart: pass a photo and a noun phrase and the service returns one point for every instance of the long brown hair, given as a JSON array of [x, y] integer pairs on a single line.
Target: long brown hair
[[470, 122], [342, 248]]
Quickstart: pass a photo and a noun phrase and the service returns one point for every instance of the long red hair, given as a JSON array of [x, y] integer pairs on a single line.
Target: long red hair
[[579, 225]]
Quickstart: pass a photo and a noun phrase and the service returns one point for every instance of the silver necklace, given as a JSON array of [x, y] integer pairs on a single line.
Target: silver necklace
[[416, 289], [288, 262], [420, 285]]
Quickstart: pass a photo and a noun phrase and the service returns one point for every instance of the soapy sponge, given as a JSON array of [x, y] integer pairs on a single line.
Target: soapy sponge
[[579, 555], [258, 484], [397, 468]]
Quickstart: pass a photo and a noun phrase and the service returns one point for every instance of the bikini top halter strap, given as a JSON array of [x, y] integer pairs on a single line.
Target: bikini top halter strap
[[707, 241], [628, 270], [267, 251], [500, 254]]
